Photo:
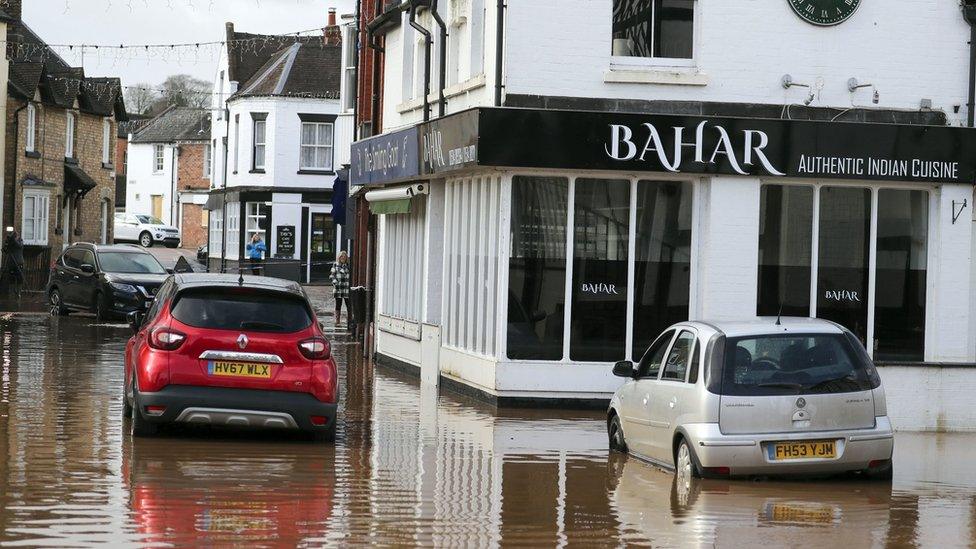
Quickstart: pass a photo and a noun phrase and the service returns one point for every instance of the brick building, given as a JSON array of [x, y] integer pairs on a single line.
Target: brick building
[[169, 168], [59, 180]]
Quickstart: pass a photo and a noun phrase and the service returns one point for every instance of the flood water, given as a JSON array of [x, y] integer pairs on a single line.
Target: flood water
[[410, 467]]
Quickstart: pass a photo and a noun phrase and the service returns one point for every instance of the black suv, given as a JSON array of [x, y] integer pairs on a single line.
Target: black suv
[[106, 280]]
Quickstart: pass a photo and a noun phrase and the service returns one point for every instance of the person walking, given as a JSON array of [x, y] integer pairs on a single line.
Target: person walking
[[340, 286], [255, 252], [13, 250]]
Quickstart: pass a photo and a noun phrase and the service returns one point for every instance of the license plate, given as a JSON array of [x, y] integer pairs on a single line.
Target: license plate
[[239, 369], [800, 513], [817, 449]]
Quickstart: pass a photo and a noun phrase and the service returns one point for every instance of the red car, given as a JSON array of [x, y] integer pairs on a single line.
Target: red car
[[234, 351]]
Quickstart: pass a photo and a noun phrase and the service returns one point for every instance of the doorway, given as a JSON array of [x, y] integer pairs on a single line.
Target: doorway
[[157, 206], [322, 246]]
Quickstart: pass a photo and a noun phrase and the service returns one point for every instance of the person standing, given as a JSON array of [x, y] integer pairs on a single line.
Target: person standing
[[340, 285], [255, 252], [13, 249]]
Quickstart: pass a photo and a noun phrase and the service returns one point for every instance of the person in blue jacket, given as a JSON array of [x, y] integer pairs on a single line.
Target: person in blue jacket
[[255, 252]]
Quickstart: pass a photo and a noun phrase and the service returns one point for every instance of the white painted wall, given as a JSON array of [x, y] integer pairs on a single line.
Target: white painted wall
[[930, 398], [909, 49], [144, 182], [950, 333], [287, 211]]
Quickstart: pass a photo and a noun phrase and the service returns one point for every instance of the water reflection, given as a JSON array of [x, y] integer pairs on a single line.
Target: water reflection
[[411, 467]]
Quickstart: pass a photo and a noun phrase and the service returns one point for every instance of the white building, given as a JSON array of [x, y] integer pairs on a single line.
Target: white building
[[153, 162], [614, 166], [282, 137]]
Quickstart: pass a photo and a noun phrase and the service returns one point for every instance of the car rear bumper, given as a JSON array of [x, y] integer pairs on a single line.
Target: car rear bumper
[[747, 455], [169, 240], [238, 407]]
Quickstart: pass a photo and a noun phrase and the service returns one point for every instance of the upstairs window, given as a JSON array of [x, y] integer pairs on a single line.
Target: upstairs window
[[662, 29], [316, 146], [259, 140], [207, 160], [69, 137], [31, 128], [158, 158], [106, 141], [349, 90]]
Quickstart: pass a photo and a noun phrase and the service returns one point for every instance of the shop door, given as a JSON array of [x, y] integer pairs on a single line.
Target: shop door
[[157, 206], [322, 242]]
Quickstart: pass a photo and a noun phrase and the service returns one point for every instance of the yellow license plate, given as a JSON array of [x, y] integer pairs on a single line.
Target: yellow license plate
[[239, 369], [818, 449], [800, 512]]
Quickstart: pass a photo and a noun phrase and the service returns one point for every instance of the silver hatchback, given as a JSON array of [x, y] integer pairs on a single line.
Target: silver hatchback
[[795, 396]]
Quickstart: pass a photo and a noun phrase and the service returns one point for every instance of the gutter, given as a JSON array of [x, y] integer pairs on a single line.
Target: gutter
[[500, 51], [428, 42]]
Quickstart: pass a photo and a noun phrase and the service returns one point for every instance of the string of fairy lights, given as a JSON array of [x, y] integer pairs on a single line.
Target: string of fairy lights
[[178, 53]]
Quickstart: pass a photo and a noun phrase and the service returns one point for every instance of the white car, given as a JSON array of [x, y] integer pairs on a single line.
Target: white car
[[145, 230], [762, 397]]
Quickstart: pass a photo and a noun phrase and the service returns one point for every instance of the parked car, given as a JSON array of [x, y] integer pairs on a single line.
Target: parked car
[[203, 253], [108, 280], [230, 351], [763, 397], [145, 230]]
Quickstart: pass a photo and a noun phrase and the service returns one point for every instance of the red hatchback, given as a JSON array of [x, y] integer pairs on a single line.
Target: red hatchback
[[223, 350]]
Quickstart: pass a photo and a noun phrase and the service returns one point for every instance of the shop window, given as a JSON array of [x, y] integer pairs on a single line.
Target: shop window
[[35, 218], [316, 152], [234, 244], [598, 329], [216, 232], [662, 267], [537, 268], [402, 267], [843, 248], [257, 221], [785, 250], [654, 28], [902, 249]]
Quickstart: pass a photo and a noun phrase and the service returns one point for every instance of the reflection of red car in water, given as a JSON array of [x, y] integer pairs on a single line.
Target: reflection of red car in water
[[205, 494]]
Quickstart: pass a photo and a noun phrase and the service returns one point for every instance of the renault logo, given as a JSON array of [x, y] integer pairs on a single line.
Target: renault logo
[[242, 341], [800, 402]]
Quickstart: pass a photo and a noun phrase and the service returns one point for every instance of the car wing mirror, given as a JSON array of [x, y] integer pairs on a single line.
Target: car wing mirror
[[135, 320], [624, 368], [88, 268]]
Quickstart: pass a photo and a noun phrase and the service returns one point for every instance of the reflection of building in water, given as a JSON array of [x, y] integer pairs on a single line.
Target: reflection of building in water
[[474, 479]]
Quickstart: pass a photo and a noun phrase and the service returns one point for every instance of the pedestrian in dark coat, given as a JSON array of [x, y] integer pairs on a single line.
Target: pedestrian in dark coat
[[13, 251], [340, 285]]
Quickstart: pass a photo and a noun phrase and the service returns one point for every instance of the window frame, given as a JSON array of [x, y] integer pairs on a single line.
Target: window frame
[[159, 158], [207, 160], [30, 144], [39, 225], [70, 131], [633, 62], [262, 120], [350, 42], [643, 367], [106, 141], [692, 350], [316, 146]]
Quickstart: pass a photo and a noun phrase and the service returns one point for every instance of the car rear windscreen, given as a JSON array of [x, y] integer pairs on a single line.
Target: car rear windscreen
[[242, 309], [793, 364]]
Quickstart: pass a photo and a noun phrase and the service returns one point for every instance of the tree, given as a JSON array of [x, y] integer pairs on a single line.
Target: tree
[[140, 98], [183, 90]]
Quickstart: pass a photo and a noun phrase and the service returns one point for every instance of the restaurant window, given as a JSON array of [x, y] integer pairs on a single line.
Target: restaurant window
[[598, 328], [785, 244], [537, 267], [841, 282], [663, 29], [899, 302], [662, 266]]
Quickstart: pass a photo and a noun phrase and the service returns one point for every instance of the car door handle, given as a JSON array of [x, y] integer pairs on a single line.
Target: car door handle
[[674, 401]]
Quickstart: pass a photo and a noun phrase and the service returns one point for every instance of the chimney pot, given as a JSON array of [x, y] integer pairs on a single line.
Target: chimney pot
[[332, 17]]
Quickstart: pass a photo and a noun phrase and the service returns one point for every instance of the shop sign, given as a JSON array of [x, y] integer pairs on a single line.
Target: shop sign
[[385, 158], [528, 138], [285, 241], [450, 143]]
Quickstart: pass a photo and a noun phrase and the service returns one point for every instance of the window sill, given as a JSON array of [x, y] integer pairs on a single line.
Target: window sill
[[32, 154], [316, 172], [108, 166], [256, 170], [673, 76], [71, 160], [449, 92]]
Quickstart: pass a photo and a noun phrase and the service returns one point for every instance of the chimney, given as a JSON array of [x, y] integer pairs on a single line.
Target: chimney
[[332, 33], [13, 8]]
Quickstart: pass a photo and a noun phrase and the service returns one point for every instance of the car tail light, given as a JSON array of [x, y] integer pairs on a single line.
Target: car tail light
[[316, 348], [319, 421], [166, 339]]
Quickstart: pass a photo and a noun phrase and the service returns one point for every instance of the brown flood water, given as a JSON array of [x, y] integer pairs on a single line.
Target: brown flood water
[[409, 468]]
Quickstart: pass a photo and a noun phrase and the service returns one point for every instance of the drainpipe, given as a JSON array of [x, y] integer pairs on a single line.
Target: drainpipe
[[355, 73], [13, 198], [375, 70], [427, 45], [969, 13], [499, 50], [442, 104], [223, 207]]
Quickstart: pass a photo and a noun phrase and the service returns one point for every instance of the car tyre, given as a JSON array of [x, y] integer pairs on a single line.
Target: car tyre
[[102, 310], [685, 462], [140, 426], [57, 303], [883, 473], [126, 406], [616, 433], [146, 240]]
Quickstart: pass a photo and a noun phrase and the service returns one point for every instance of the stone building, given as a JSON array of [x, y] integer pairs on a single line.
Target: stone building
[[59, 180]]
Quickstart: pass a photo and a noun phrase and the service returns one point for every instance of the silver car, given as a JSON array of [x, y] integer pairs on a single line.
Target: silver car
[[763, 397]]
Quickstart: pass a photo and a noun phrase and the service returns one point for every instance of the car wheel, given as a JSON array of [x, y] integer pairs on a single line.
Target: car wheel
[[616, 434], [685, 464], [126, 407], [102, 311], [57, 303], [140, 426], [146, 240]]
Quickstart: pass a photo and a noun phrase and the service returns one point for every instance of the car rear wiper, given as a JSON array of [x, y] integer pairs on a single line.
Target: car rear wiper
[[258, 325], [849, 378]]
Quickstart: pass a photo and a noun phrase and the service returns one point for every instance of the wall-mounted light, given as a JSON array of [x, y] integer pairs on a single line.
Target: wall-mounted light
[[853, 86], [787, 83]]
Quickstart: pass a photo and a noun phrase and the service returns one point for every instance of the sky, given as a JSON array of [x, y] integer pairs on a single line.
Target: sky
[[164, 22]]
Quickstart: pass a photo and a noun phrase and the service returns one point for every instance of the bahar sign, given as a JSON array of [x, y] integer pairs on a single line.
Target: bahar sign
[[732, 146]]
